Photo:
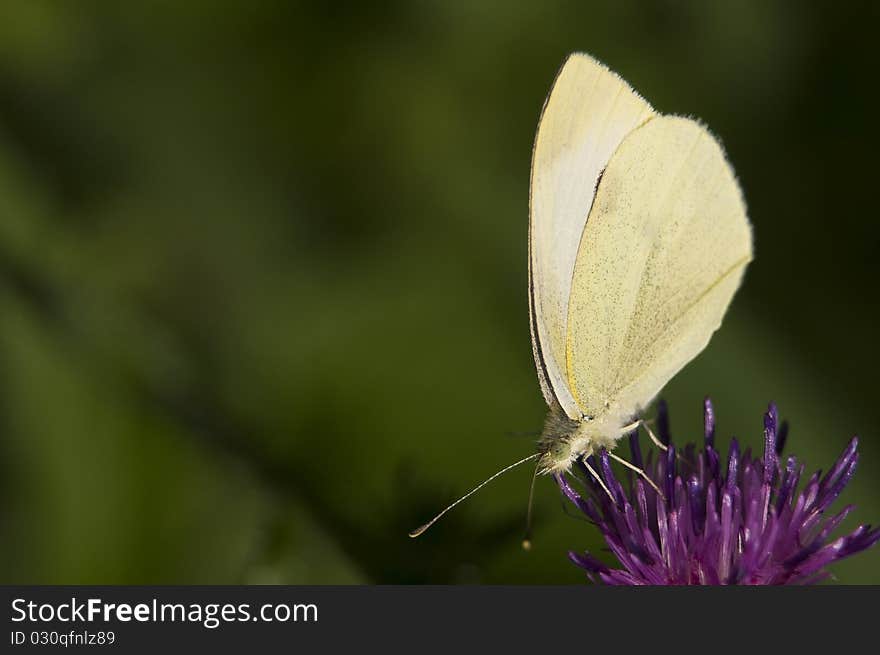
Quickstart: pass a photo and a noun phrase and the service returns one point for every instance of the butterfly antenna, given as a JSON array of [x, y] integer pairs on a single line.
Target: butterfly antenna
[[527, 539], [418, 531]]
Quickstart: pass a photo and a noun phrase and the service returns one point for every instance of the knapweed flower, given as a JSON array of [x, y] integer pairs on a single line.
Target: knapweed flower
[[743, 523]]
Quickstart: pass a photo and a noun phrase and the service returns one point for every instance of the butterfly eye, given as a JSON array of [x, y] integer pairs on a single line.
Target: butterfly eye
[[560, 450]]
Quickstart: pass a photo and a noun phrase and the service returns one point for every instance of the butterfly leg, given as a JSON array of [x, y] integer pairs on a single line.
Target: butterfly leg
[[641, 472], [662, 446], [642, 423], [599, 480]]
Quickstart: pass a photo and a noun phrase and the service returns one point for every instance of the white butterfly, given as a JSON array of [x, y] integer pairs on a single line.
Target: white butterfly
[[638, 240]]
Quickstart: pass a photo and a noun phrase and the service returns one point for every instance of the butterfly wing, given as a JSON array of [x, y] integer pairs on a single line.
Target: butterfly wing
[[586, 116], [663, 251]]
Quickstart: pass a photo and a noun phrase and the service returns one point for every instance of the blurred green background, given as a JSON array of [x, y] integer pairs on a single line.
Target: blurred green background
[[263, 274]]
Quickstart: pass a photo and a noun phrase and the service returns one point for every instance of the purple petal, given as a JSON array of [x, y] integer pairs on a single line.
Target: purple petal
[[771, 421], [587, 562], [708, 422], [732, 463], [663, 423]]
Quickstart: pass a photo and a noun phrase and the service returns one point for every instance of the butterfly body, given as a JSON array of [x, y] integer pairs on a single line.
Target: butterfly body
[[564, 439]]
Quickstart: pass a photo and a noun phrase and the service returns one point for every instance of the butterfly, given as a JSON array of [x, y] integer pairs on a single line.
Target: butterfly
[[638, 241]]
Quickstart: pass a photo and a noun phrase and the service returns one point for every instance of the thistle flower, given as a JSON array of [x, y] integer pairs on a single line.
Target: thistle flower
[[745, 525]]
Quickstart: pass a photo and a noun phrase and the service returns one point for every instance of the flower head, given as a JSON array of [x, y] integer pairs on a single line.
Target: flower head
[[746, 524]]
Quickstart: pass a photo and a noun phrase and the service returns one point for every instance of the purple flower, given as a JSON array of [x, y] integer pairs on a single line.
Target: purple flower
[[744, 525]]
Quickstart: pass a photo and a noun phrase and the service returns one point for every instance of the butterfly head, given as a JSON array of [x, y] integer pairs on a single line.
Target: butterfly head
[[562, 441], [565, 440]]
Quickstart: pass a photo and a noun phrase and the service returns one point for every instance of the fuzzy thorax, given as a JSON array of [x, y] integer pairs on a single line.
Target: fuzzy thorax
[[564, 440]]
